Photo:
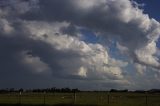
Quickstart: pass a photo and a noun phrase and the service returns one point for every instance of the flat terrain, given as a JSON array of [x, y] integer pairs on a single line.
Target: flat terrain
[[80, 99]]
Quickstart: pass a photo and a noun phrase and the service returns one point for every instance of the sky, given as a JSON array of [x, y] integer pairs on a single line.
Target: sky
[[151, 8], [85, 44]]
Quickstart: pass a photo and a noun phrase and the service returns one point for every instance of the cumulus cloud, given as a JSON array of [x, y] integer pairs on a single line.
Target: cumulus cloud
[[87, 60], [18, 6], [120, 19], [46, 35], [34, 63], [146, 55], [140, 68], [6, 27]]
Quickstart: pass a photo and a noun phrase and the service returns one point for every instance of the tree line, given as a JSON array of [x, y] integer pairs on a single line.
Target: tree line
[[69, 90], [38, 90]]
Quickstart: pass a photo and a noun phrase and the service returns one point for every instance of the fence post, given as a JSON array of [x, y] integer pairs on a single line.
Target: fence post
[[108, 98], [20, 97], [99, 97], [9, 98], [146, 99], [44, 98], [74, 97]]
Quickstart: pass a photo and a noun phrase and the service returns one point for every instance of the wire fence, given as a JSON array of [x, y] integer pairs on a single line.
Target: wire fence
[[82, 98]]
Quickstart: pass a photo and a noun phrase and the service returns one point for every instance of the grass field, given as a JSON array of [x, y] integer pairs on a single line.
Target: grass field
[[80, 99]]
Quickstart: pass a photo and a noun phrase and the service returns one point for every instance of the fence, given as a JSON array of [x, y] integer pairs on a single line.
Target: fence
[[82, 98]]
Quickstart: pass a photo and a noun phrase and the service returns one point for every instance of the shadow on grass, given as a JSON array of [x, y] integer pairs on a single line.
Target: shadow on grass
[[46, 105]]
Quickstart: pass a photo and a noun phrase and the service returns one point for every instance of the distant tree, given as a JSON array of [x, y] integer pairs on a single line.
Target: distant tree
[[12, 90], [140, 91], [113, 90], [65, 90], [4, 91], [125, 90], [154, 91], [75, 90], [53, 89], [21, 90]]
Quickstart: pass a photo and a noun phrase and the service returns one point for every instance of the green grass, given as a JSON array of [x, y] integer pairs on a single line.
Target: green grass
[[82, 99]]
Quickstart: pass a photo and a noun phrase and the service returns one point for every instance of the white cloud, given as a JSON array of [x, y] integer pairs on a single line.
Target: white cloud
[[82, 72], [19, 6], [111, 19], [5, 27], [91, 61], [113, 72], [87, 4], [140, 68], [122, 49], [119, 63], [34, 63], [120, 19], [64, 55], [146, 55]]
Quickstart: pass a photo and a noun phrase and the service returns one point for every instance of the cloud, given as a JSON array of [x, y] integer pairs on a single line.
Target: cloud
[[87, 59], [34, 63], [6, 27], [44, 50], [140, 68], [146, 55], [111, 19], [46, 36], [18, 6]]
